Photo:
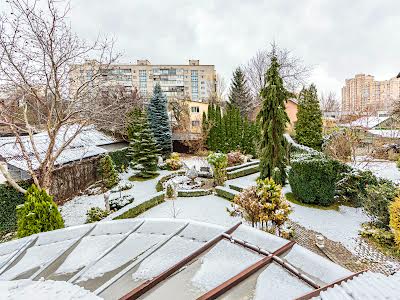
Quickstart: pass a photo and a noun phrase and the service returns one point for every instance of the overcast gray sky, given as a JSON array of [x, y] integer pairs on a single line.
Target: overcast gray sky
[[338, 37]]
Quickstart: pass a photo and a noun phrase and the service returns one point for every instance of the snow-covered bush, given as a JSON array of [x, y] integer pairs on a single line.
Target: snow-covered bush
[[377, 200], [351, 189], [313, 178], [378, 235], [173, 162], [235, 158], [118, 203], [96, 214], [170, 192], [394, 212], [107, 172], [39, 213], [219, 162]]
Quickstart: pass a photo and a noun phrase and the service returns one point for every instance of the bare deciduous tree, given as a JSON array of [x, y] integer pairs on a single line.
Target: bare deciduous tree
[[216, 93], [329, 102], [41, 75], [292, 69]]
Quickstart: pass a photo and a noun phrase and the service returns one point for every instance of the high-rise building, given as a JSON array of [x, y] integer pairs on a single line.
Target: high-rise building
[[364, 94], [192, 81]]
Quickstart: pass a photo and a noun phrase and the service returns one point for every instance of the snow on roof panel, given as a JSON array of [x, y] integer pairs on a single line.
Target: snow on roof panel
[[160, 226], [276, 283], [115, 227], [259, 238], [68, 233], [315, 265], [366, 122], [197, 230]]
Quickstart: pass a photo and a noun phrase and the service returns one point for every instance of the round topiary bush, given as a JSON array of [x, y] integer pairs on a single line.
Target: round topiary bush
[[39, 213]]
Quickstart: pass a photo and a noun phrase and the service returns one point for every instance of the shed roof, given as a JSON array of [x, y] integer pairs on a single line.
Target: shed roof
[[366, 122], [86, 144], [192, 260]]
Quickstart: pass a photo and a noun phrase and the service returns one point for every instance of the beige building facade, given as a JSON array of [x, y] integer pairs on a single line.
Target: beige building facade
[[365, 95]]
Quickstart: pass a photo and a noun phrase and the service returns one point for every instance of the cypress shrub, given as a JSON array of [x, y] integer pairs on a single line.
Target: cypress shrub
[[120, 159], [313, 178], [38, 214], [107, 171]]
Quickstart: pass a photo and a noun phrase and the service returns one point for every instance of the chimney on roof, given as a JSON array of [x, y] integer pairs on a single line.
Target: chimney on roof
[[194, 62], [143, 62]]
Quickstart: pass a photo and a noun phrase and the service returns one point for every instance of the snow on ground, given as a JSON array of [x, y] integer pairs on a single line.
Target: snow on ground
[[74, 211], [210, 209], [195, 161], [39, 290], [382, 168], [244, 182]]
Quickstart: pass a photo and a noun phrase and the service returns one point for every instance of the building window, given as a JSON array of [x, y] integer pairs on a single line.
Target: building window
[[195, 123], [195, 109]]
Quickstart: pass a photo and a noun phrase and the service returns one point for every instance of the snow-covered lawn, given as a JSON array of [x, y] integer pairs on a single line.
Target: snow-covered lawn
[[211, 209], [382, 168], [244, 182], [74, 211]]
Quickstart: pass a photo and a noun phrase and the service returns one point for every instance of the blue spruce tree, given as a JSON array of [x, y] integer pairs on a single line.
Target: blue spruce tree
[[159, 121]]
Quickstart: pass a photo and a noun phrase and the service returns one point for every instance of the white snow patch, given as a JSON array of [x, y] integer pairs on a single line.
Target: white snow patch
[[87, 251], [195, 161], [168, 255], [245, 181], [339, 226], [222, 262], [382, 168], [210, 209], [40, 290], [276, 283]]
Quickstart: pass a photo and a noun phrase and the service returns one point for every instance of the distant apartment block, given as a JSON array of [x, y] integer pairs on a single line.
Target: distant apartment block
[[192, 81], [363, 94]]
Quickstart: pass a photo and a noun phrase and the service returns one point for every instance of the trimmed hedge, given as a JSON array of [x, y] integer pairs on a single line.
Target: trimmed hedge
[[243, 172], [194, 193], [141, 208], [9, 199], [226, 193], [120, 158], [313, 178], [159, 186], [236, 188]]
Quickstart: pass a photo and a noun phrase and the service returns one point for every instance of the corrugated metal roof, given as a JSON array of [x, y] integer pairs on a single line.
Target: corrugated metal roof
[[366, 286], [85, 144]]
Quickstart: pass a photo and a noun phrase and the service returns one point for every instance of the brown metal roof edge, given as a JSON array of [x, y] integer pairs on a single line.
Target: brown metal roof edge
[[243, 275], [149, 284], [316, 292], [286, 265]]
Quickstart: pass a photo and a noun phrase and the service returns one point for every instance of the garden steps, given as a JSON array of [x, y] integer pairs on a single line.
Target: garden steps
[[245, 165], [226, 192], [251, 169]]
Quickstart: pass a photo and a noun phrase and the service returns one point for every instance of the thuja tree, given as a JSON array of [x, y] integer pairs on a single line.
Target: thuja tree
[[39, 213], [109, 175], [273, 120], [308, 127], [159, 120], [239, 94], [143, 149]]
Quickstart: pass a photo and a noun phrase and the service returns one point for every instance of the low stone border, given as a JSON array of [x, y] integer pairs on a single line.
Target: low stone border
[[194, 193], [133, 210], [245, 165], [159, 186], [225, 192], [235, 187], [243, 172]]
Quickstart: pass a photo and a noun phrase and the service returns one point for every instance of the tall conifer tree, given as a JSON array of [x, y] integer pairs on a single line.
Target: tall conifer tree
[[273, 120], [159, 120], [308, 127], [239, 94]]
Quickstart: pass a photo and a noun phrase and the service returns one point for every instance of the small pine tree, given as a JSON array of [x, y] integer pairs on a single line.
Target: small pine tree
[[143, 149], [107, 172], [38, 214], [308, 127], [159, 120], [273, 120], [239, 94]]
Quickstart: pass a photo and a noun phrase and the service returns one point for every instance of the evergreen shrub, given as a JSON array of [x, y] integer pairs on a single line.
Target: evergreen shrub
[[107, 172], [96, 214], [394, 212], [313, 178], [120, 159], [38, 214]]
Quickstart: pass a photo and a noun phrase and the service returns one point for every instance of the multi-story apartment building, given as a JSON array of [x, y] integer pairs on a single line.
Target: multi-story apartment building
[[363, 94]]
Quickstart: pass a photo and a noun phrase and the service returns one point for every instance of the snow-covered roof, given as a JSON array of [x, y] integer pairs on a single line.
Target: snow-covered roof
[[394, 134], [367, 285], [113, 258], [366, 122], [86, 144]]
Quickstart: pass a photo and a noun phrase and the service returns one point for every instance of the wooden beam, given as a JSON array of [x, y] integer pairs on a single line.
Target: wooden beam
[[243, 275], [316, 292], [149, 284]]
